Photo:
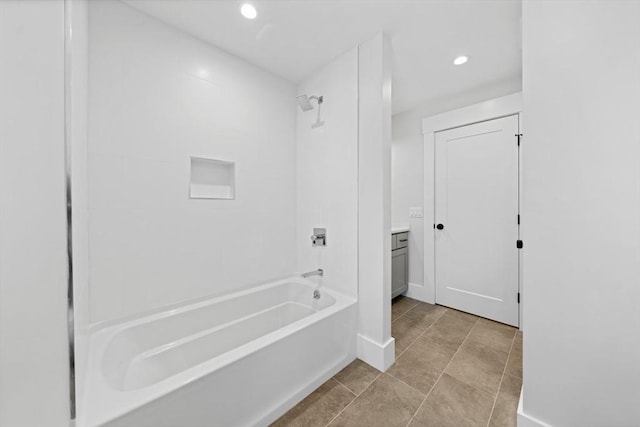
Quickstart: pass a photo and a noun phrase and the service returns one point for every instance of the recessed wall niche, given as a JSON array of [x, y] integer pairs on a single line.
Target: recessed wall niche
[[212, 179]]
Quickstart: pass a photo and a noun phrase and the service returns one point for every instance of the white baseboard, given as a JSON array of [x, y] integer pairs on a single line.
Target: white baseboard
[[525, 420], [419, 292], [380, 356]]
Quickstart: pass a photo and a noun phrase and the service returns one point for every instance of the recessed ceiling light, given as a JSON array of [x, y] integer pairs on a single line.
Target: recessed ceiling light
[[248, 11], [460, 60]]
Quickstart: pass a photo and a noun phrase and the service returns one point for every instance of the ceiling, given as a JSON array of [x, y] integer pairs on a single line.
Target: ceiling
[[293, 38]]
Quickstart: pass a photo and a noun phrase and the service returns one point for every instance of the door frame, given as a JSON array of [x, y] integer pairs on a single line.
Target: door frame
[[488, 110], [455, 258]]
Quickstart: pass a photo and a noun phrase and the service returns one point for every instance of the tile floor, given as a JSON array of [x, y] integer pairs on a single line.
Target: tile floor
[[452, 369]]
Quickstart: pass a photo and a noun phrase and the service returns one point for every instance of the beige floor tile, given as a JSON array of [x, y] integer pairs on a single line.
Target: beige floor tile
[[505, 413], [453, 403], [463, 396], [461, 315], [449, 330], [421, 365], [319, 407], [388, 402], [479, 366], [357, 376], [511, 386], [506, 407], [427, 313], [514, 364], [496, 335], [405, 330], [517, 341], [401, 305]]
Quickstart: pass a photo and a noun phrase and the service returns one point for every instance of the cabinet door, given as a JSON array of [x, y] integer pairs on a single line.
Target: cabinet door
[[399, 273]]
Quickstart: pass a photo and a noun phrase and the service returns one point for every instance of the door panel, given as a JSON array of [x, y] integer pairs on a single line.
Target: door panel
[[476, 180]]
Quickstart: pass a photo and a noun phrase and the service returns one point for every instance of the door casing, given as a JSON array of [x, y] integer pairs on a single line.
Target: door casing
[[487, 110]]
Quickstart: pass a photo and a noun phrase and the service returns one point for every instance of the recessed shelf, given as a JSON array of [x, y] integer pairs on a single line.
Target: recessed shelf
[[212, 179]]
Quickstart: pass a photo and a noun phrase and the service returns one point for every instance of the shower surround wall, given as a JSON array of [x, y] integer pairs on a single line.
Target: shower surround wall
[[156, 97], [343, 185], [327, 174]]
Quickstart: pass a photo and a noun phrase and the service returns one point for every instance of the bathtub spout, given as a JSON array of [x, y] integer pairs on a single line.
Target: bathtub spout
[[318, 272]]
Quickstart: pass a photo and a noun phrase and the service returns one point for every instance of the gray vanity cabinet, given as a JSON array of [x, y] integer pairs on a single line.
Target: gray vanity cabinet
[[399, 263]]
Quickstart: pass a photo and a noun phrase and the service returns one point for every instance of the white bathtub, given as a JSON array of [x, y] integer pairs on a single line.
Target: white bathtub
[[238, 360]]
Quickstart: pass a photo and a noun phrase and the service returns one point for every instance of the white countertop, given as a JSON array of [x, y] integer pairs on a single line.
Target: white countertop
[[399, 229]]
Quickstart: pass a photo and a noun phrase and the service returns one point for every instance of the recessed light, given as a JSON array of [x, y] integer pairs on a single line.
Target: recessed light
[[460, 60], [248, 11]]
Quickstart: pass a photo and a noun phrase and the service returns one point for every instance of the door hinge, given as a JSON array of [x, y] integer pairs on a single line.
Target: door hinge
[[518, 136], [518, 297], [518, 219], [519, 244]]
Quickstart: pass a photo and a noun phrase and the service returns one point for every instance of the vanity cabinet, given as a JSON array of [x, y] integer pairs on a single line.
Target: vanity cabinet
[[399, 263]]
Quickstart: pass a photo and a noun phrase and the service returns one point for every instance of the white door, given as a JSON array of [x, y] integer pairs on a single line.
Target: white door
[[476, 219]]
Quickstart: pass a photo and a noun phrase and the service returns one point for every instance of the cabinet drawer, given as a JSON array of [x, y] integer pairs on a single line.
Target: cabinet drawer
[[401, 240], [394, 242]]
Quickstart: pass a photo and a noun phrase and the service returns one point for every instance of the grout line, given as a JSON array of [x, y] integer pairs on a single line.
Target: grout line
[[421, 333], [352, 392], [411, 345], [403, 382], [378, 376], [443, 371], [504, 371], [513, 345], [345, 386], [446, 310], [354, 399], [356, 395], [412, 307]]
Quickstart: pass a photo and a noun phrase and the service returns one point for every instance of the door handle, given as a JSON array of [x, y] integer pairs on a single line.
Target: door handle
[[440, 226]]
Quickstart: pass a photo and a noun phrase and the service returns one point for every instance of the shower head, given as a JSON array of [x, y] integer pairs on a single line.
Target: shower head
[[304, 102]]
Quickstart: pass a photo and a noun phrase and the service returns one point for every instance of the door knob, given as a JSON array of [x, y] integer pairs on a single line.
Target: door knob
[[439, 226]]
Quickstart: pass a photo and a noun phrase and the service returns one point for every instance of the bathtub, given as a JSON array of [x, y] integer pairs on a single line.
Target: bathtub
[[241, 359]]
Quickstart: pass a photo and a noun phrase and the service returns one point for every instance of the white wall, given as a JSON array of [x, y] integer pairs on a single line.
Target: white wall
[[158, 96], [76, 112], [407, 165], [581, 217], [34, 386], [375, 344], [327, 174]]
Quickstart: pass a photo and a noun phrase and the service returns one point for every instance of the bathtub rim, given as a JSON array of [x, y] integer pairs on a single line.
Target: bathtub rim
[[245, 289], [93, 410]]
